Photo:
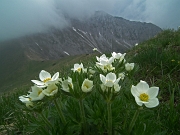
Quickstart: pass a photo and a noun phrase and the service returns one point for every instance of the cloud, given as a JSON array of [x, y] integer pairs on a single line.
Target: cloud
[[160, 12], [83, 8], [163, 13], [22, 17]]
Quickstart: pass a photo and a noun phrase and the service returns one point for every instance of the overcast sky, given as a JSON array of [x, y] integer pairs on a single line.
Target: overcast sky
[[21, 17]]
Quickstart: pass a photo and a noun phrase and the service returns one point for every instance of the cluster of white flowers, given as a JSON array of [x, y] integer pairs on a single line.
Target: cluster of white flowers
[[87, 84], [45, 87], [142, 93], [105, 63], [112, 71], [110, 81], [79, 68]]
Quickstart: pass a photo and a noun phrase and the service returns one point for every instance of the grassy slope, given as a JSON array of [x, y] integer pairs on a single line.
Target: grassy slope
[[11, 58], [16, 70], [159, 60]]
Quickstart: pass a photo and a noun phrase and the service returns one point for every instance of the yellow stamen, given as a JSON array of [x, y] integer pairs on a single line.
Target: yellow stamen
[[86, 86], [109, 81], [52, 90], [70, 85], [46, 80], [144, 97], [39, 93], [79, 69]]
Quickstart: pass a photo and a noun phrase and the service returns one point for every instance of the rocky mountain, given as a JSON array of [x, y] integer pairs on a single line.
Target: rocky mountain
[[102, 31]]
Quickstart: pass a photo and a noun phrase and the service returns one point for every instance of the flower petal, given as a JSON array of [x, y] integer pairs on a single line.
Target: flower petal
[[117, 81], [109, 83], [103, 78], [76, 66], [117, 87], [152, 103], [87, 85], [138, 101], [37, 82], [111, 59], [142, 87], [55, 76], [98, 59], [111, 76], [50, 90], [134, 91], [65, 86], [44, 75], [103, 56], [153, 92], [104, 61], [103, 87]]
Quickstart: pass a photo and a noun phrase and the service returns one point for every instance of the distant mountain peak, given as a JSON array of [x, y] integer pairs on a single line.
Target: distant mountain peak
[[101, 13]]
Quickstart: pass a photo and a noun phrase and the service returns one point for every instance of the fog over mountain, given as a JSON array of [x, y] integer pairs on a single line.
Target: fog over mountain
[[24, 17], [102, 31]]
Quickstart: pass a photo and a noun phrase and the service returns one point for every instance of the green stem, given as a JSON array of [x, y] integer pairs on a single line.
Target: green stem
[[136, 114], [83, 118], [109, 118], [46, 121], [60, 112]]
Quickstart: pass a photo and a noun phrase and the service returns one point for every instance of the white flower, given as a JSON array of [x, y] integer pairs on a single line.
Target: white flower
[[36, 93], [45, 78], [118, 56], [122, 57], [136, 44], [95, 49], [91, 71], [103, 60], [87, 85], [129, 66], [51, 90], [105, 68], [145, 95], [25, 99], [117, 87], [105, 63], [66, 84], [110, 79], [78, 68], [121, 75]]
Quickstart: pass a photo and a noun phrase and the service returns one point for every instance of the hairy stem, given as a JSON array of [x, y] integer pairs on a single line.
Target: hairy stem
[[46, 121], [83, 118], [60, 112], [109, 118], [136, 114]]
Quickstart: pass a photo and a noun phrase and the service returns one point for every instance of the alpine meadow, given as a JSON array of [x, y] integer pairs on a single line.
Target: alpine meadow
[[131, 93]]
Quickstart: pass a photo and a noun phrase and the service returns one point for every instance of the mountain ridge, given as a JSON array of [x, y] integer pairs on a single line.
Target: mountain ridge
[[102, 31]]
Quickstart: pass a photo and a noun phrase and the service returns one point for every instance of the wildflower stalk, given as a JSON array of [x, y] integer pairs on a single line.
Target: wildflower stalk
[[46, 121], [83, 118], [136, 114], [109, 118], [60, 112]]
